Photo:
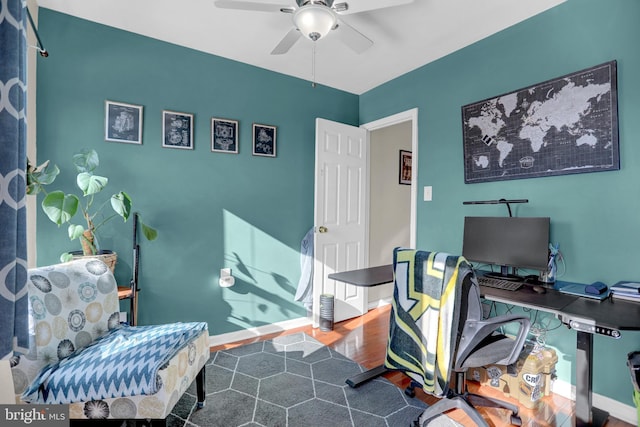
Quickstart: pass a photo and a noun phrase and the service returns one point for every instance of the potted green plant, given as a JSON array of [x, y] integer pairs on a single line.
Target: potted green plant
[[61, 208]]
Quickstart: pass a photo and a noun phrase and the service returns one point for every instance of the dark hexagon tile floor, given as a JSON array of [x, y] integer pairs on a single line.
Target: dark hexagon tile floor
[[291, 381]]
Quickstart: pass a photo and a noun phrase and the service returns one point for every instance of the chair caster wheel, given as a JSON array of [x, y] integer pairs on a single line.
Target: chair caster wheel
[[200, 405], [516, 420], [410, 392]]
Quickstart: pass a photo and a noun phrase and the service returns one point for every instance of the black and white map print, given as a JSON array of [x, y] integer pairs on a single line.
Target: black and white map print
[[562, 126]]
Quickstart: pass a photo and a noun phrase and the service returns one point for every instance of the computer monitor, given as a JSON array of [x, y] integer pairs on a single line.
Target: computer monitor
[[507, 242]]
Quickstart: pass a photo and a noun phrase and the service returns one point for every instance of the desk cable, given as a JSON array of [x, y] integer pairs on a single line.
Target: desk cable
[[540, 324]]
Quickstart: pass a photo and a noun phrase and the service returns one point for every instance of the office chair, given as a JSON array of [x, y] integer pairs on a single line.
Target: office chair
[[437, 332]]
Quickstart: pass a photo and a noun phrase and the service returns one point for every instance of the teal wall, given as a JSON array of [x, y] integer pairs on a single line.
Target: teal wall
[[212, 210], [219, 210], [594, 216]]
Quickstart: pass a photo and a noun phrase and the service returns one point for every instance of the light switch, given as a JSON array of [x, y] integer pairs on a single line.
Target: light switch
[[428, 193]]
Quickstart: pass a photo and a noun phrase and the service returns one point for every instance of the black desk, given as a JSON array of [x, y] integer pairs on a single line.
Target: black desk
[[589, 317], [586, 316], [366, 277]]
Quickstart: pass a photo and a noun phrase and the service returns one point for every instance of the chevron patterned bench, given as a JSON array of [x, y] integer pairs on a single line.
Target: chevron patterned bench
[[82, 356]]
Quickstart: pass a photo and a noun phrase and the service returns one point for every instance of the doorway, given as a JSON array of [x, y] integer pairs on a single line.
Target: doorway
[[342, 230], [392, 205]]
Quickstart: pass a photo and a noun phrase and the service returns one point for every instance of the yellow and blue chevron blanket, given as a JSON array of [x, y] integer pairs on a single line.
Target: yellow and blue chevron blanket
[[424, 318], [123, 362]]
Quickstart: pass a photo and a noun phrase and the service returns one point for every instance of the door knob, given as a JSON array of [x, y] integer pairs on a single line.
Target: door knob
[[322, 229]]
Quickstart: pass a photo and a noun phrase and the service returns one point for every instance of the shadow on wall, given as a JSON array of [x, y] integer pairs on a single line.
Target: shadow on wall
[[265, 270], [254, 301], [281, 280]]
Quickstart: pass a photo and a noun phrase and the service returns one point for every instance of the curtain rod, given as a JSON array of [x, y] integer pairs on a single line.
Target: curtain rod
[[40, 47]]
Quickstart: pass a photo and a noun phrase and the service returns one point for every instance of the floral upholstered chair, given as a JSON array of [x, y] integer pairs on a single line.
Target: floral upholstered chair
[[80, 354]]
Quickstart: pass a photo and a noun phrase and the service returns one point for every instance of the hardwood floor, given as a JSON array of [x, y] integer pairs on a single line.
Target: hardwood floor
[[364, 340]]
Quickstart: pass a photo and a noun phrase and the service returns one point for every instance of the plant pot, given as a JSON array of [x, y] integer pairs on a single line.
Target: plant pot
[[108, 257]]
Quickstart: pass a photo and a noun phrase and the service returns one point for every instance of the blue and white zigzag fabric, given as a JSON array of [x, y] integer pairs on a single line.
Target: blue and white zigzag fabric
[[124, 362]]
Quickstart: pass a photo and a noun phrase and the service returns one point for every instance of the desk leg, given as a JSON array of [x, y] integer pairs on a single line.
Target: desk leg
[[586, 414]]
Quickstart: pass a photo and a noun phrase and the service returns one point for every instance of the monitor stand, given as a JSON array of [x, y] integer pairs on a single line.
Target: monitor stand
[[503, 275]]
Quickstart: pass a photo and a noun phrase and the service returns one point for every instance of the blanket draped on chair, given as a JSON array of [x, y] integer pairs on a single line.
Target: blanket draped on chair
[[424, 318], [111, 366]]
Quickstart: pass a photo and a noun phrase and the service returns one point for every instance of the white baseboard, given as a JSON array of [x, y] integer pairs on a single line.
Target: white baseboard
[[626, 413], [229, 337], [379, 303]]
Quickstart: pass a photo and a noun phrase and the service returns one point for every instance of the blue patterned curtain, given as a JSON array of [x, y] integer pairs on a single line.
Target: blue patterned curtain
[[13, 159]]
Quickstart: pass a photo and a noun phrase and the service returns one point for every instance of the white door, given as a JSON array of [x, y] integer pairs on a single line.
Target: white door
[[340, 217]]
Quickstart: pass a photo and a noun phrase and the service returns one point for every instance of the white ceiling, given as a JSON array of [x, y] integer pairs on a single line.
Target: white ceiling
[[405, 37]]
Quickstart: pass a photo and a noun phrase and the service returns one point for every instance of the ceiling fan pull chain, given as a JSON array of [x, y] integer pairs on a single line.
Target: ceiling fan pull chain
[[313, 65]]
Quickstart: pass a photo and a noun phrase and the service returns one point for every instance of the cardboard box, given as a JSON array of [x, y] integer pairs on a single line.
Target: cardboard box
[[527, 380]]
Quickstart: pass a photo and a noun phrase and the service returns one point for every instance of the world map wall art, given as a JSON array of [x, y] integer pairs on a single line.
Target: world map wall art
[[562, 126]]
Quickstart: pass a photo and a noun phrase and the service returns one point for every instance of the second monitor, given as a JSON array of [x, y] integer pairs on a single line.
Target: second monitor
[[521, 242]]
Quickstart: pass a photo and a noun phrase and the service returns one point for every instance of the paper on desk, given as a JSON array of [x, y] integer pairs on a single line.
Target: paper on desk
[[578, 289], [626, 287]]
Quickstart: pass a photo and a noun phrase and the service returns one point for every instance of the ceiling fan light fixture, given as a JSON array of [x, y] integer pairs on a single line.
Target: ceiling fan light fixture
[[314, 21]]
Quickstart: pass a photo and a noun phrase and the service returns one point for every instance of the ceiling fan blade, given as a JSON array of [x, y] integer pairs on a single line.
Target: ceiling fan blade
[[353, 38], [250, 5], [366, 6], [287, 42]]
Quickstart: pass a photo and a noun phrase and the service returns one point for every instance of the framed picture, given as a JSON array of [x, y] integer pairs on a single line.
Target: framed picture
[[177, 130], [404, 175], [566, 125], [123, 122], [264, 140], [224, 135]]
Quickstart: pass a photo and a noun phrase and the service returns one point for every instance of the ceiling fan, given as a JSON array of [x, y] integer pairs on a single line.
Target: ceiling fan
[[314, 19]]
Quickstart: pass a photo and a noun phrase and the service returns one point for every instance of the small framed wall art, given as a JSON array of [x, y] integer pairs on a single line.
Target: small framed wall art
[[264, 140], [123, 122], [177, 130], [404, 176], [224, 136]]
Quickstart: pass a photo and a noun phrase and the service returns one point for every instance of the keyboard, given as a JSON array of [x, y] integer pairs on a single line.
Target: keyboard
[[499, 283]]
